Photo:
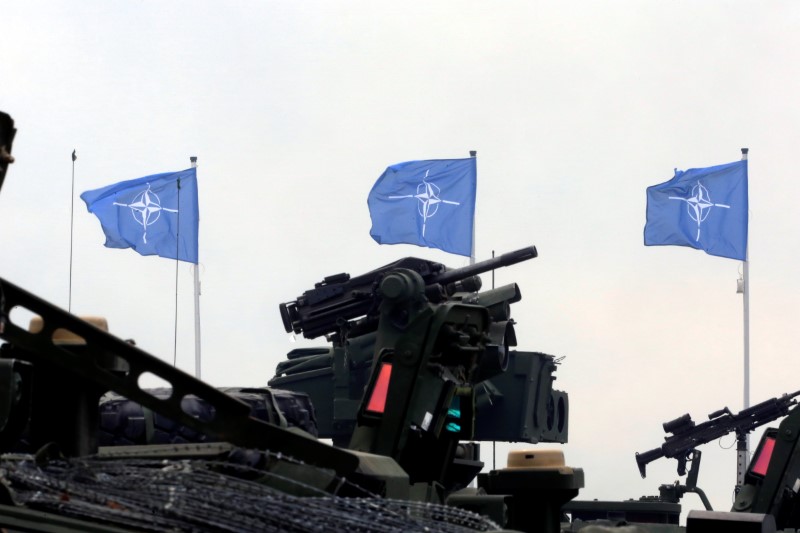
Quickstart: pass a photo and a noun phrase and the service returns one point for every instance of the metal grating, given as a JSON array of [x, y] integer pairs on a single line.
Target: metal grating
[[200, 495]]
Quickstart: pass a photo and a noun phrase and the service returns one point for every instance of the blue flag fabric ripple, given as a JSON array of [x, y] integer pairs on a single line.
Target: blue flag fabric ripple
[[427, 203], [154, 215], [704, 208]]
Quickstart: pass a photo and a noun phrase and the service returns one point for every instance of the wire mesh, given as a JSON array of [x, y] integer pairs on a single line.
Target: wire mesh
[[202, 495]]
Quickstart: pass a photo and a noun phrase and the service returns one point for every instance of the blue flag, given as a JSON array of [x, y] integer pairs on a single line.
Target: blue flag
[[154, 215], [427, 203], [704, 208]]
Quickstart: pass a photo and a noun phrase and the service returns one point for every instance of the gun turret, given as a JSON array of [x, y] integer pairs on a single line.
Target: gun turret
[[337, 301], [686, 435], [420, 363]]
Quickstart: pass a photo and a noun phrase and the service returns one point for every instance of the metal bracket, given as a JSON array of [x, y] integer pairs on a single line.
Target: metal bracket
[[231, 422]]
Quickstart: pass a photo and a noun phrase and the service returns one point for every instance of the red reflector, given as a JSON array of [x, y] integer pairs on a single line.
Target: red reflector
[[377, 400], [761, 463]]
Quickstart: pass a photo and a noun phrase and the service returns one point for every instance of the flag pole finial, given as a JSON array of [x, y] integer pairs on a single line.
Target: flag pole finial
[[744, 152], [473, 153]]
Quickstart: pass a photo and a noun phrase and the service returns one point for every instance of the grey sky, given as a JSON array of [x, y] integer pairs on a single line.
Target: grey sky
[[295, 108]]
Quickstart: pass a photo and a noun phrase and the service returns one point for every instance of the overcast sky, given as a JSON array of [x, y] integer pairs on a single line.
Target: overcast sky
[[295, 108]]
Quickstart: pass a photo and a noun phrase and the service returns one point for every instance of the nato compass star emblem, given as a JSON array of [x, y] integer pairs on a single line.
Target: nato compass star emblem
[[699, 205], [428, 200], [146, 209]]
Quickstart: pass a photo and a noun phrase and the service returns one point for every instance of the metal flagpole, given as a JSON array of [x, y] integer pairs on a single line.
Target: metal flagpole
[[196, 268], [743, 441], [177, 267], [71, 225], [494, 443], [473, 153]]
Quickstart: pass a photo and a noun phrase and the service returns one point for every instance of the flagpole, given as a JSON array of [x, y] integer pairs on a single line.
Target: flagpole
[[177, 266], [196, 269], [494, 442], [743, 441], [71, 225], [473, 153]]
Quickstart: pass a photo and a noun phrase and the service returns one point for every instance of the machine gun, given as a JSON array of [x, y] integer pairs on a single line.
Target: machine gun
[[686, 435], [333, 304]]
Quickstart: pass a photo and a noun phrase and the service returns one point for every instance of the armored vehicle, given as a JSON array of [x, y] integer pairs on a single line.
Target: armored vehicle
[[415, 351], [420, 366]]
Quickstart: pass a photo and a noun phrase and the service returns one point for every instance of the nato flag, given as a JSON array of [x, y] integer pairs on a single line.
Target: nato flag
[[704, 208], [154, 215], [427, 203]]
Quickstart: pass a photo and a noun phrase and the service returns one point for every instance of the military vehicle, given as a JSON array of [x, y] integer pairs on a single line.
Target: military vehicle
[[420, 366]]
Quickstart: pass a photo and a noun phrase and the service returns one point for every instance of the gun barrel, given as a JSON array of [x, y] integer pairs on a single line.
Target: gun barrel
[[504, 260], [769, 410], [790, 396]]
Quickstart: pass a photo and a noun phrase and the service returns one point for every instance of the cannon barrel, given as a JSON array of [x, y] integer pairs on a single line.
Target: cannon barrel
[[504, 260]]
